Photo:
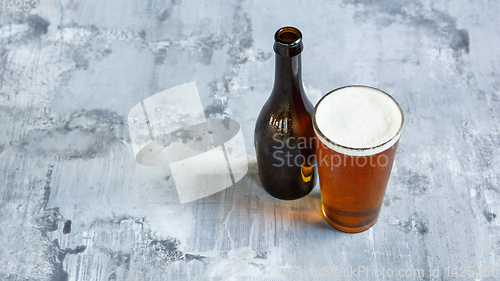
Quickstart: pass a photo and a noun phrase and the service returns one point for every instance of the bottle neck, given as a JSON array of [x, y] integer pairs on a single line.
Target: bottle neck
[[288, 76]]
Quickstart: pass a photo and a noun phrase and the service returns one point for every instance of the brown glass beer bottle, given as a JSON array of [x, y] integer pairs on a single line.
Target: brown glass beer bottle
[[284, 143]]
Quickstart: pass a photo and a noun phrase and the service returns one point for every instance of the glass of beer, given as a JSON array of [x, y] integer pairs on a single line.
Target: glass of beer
[[357, 130]]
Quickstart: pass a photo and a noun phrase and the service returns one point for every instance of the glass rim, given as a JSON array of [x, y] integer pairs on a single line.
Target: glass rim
[[362, 151], [290, 29]]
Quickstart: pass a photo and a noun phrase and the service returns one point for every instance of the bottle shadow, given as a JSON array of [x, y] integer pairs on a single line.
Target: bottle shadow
[[304, 212], [247, 205], [306, 209]]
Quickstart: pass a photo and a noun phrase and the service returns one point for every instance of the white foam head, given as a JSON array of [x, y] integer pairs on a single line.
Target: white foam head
[[358, 120]]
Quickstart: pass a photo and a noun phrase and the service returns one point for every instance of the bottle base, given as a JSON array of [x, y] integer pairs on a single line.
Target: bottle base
[[286, 187], [346, 229], [288, 198]]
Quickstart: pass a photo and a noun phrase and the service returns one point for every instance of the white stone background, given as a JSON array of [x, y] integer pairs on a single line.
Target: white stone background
[[68, 78]]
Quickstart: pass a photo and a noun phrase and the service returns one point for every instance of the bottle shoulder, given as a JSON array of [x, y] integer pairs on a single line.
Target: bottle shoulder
[[278, 117], [281, 115]]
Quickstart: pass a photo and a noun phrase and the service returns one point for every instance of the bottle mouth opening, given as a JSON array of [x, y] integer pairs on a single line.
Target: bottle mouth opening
[[288, 36], [288, 41]]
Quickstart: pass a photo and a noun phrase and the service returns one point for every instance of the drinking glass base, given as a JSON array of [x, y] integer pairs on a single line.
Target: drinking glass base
[[346, 229]]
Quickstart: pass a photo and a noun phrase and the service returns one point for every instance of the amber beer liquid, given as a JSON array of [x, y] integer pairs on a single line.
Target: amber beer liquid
[[357, 131]]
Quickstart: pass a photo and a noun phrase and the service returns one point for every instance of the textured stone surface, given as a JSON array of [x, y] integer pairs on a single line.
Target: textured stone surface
[[74, 205]]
